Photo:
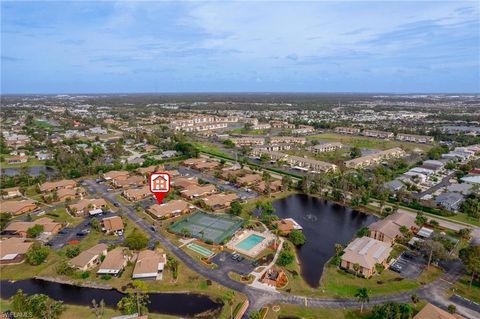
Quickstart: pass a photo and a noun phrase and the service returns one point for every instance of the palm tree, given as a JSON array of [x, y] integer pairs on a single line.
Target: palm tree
[[228, 298], [362, 297]]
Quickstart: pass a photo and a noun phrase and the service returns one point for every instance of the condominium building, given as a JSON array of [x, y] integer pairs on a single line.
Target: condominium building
[[248, 141], [378, 134], [347, 130], [414, 138], [287, 140], [376, 158], [325, 147]]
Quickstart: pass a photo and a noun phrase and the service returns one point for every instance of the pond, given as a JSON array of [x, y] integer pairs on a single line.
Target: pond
[[33, 171], [176, 304], [324, 224]]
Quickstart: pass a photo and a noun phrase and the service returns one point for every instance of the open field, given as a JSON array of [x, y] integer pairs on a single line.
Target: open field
[[30, 163], [367, 142], [462, 288]]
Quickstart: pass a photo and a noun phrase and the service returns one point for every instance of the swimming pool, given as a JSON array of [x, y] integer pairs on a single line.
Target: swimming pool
[[250, 242]]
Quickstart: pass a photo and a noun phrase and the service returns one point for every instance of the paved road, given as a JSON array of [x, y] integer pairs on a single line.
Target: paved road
[[433, 292], [444, 183]]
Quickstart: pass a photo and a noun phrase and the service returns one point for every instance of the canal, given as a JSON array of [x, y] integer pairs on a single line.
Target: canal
[[176, 304], [33, 171], [324, 224]]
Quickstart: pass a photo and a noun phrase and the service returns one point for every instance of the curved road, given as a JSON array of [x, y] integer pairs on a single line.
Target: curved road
[[433, 292]]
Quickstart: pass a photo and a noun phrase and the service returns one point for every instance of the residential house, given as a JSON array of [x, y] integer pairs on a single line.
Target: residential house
[[86, 205], [65, 194], [286, 225], [149, 265], [184, 182], [150, 169], [135, 194], [195, 191], [52, 186], [365, 252], [219, 201], [170, 209], [433, 312], [388, 229], [275, 186], [114, 263], [115, 175], [18, 207], [249, 179], [11, 192], [274, 277], [89, 258], [450, 201], [113, 225], [131, 181], [20, 228], [13, 250]]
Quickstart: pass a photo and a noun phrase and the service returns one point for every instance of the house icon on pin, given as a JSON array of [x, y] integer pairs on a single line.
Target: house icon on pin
[[160, 182]]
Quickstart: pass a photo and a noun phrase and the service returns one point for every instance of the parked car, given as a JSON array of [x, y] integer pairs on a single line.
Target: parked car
[[396, 268], [240, 258], [255, 263], [235, 256], [116, 205]]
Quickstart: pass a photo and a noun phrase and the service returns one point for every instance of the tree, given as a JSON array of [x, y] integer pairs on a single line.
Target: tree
[[4, 219], [355, 152], [36, 254], [392, 310], [72, 251], [465, 232], [364, 231], [452, 308], [41, 306], [421, 220], [228, 144], [379, 268], [19, 301], [286, 182], [228, 298], [64, 268], [235, 208], [338, 249], [136, 240], [432, 250], [362, 297], [470, 257], [471, 206], [185, 232], [172, 264], [34, 231], [98, 309], [415, 299], [285, 258], [297, 237], [254, 315]]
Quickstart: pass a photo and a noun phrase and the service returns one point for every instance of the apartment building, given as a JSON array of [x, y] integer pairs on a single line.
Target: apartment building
[[309, 164], [288, 140], [282, 125], [261, 126], [378, 134], [414, 138], [271, 148], [248, 141], [368, 160], [303, 129], [325, 147], [347, 130]]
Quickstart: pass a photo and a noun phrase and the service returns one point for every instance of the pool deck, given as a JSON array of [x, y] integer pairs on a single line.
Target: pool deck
[[257, 249]]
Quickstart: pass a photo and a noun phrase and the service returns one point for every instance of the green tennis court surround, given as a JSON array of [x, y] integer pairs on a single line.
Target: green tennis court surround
[[207, 227]]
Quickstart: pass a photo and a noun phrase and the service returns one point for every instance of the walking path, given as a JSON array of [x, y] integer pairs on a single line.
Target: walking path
[[258, 275]]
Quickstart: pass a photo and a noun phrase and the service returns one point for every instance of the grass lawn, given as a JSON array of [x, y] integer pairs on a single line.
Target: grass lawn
[[84, 312], [367, 142], [30, 163], [315, 313], [211, 149], [248, 132], [461, 217], [462, 288]]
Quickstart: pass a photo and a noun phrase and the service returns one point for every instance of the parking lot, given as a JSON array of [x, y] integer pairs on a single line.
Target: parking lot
[[225, 262], [71, 233], [411, 265]]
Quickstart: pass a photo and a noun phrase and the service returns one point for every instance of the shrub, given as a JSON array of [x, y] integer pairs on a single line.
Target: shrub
[[106, 277]]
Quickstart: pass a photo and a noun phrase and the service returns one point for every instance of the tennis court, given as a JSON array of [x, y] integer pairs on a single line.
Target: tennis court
[[207, 227]]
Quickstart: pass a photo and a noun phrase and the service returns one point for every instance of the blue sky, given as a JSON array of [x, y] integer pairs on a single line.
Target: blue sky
[[265, 46]]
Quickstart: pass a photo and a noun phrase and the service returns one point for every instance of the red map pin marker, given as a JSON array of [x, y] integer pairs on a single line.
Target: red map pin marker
[[159, 185]]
